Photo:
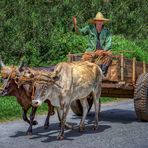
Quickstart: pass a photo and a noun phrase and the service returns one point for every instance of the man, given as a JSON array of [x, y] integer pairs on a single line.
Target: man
[[99, 41]]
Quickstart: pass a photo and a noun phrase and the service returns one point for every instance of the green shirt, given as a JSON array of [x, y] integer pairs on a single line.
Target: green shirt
[[104, 37]]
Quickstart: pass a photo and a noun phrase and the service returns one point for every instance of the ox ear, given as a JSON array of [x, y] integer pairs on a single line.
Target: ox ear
[[1, 62], [32, 75], [54, 76]]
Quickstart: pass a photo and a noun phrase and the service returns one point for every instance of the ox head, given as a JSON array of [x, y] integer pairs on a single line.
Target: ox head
[[8, 74], [43, 84]]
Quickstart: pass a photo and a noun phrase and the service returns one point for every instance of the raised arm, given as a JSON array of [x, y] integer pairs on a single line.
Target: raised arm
[[84, 30]]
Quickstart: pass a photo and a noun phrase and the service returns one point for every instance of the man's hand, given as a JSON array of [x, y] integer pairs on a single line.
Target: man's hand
[[103, 52], [75, 22]]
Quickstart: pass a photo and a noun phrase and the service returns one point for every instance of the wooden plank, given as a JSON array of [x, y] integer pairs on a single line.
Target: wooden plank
[[122, 67], [119, 93], [144, 67], [116, 86], [134, 72]]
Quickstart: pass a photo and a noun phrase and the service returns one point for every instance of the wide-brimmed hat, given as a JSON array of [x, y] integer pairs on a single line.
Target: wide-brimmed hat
[[99, 17]]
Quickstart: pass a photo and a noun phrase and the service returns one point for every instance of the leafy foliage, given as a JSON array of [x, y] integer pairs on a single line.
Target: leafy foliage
[[41, 30], [129, 48]]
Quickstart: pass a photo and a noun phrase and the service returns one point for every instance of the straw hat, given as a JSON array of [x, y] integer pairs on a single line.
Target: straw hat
[[99, 17]]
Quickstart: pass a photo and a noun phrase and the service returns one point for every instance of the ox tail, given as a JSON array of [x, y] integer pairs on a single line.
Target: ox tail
[[97, 87], [98, 81]]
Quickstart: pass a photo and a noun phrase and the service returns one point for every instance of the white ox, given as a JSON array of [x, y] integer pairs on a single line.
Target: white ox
[[69, 82]]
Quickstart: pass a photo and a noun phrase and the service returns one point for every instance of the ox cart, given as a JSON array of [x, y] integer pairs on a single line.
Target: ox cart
[[126, 78]]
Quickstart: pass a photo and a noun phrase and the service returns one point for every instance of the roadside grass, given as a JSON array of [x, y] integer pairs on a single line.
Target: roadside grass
[[11, 110], [107, 99]]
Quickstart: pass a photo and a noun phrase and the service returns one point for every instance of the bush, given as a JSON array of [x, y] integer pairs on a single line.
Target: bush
[[129, 48], [39, 29]]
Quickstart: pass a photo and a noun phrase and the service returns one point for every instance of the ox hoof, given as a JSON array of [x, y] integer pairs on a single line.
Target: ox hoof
[[81, 128], [46, 126], [60, 137], [95, 127], [52, 113], [29, 133], [35, 122]]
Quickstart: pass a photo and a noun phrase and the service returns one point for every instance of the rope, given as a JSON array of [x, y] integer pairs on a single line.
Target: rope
[[10, 76]]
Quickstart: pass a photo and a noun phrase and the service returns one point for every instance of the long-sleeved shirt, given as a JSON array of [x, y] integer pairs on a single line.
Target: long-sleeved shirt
[[103, 38]]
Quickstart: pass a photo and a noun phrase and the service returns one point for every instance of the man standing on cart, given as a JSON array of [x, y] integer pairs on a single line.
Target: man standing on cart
[[99, 39]]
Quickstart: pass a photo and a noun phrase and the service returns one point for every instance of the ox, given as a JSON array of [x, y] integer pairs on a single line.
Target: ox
[[68, 82], [22, 93]]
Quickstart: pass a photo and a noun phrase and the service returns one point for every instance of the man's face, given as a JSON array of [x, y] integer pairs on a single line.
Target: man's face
[[99, 25]]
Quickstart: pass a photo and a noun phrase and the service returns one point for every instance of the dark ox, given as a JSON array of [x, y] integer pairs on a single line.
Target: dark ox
[[69, 82], [23, 93]]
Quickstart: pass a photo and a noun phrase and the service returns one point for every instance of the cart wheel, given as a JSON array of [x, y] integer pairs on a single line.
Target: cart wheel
[[141, 97], [76, 106]]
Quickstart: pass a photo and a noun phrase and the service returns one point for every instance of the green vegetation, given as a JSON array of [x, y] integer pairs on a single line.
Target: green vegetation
[[41, 30], [10, 109], [131, 48]]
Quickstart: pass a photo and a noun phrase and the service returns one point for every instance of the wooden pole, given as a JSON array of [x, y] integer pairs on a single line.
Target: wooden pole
[[144, 67], [122, 67], [134, 70], [69, 57]]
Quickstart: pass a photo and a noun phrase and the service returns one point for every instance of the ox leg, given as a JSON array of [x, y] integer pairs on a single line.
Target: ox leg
[[67, 126], [85, 110], [97, 106], [99, 109], [32, 115], [25, 118], [98, 101], [50, 113], [46, 125], [63, 121]]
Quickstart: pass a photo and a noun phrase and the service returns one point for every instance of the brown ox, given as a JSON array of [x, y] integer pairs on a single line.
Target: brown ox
[[68, 82], [22, 93]]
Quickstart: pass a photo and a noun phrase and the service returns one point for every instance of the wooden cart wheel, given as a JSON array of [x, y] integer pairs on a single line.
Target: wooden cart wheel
[[141, 97], [76, 106]]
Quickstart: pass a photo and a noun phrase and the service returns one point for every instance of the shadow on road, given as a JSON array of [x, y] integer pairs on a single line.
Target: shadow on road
[[115, 115], [119, 115], [52, 132], [109, 116], [71, 134], [36, 131]]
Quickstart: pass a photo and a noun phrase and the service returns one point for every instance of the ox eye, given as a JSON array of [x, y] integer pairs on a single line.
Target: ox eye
[[45, 87], [28, 72]]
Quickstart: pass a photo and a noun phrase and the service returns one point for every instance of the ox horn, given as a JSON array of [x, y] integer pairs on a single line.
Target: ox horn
[[21, 64], [1, 62]]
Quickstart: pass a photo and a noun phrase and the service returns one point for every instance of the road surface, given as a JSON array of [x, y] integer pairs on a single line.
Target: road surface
[[118, 128]]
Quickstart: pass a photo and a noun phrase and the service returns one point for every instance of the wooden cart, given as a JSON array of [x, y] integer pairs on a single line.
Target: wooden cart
[[126, 78]]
